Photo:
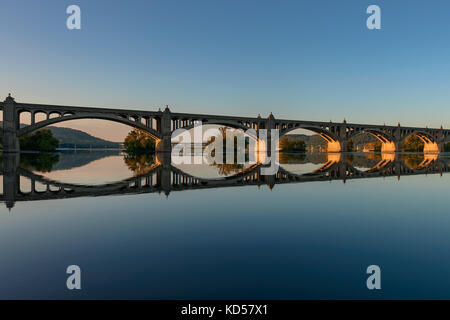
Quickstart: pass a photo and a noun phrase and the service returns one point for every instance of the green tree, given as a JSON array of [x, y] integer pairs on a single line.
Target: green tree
[[41, 140], [447, 147], [139, 142], [413, 144], [292, 145], [224, 131]]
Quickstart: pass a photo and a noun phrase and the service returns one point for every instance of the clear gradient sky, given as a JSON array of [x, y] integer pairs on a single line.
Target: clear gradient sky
[[312, 60]]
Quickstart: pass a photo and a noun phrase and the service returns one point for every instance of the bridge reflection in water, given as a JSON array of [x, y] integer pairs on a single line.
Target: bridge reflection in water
[[162, 177]]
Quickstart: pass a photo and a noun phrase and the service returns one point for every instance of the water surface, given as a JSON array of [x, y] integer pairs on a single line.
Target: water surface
[[309, 232]]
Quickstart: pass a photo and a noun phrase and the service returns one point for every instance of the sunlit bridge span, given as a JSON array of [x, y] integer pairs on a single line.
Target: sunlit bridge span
[[161, 124], [163, 177]]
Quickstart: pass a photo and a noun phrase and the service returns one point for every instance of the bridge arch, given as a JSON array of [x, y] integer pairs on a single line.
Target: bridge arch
[[54, 114], [431, 145], [380, 135], [24, 116], [251, 172], [54, 186], [424, 136], [38, 116], [333, 142], [254, 146], [316, 165], [224, 123], [387, 141], [41, 124]]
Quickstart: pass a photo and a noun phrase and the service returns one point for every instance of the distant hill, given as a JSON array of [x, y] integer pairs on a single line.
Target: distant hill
[[314, 139], [68, 138]]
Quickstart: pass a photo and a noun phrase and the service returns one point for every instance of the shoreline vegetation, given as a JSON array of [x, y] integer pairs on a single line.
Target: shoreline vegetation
[[447, 147], [292, 145], [41, 140], [53, 139], [41, 150], [139, 142]]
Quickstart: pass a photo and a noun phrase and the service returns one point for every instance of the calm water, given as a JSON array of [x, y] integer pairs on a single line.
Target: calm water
[[309, 232]]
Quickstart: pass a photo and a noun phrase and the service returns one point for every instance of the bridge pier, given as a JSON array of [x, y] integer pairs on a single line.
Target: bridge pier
[[165, 143], [10, 126], [270, 124], [270, 181]]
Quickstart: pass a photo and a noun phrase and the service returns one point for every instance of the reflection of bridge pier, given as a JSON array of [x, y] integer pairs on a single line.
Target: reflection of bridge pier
[[11, 178], [269, 180], [164, 175]]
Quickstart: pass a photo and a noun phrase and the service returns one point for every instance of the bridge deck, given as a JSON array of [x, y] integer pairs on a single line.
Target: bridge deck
[[80, 109]]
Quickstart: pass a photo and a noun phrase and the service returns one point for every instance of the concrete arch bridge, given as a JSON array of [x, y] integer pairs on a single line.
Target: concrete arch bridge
[[161, 124]]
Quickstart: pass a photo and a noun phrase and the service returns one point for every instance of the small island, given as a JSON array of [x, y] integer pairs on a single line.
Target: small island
[[138, 142], [289, 144]]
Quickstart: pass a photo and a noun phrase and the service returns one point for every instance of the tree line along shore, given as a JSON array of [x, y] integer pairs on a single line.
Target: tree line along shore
[[139, 142]]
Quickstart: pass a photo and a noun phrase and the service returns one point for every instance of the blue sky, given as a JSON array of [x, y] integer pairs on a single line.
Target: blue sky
[[312, 60]]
